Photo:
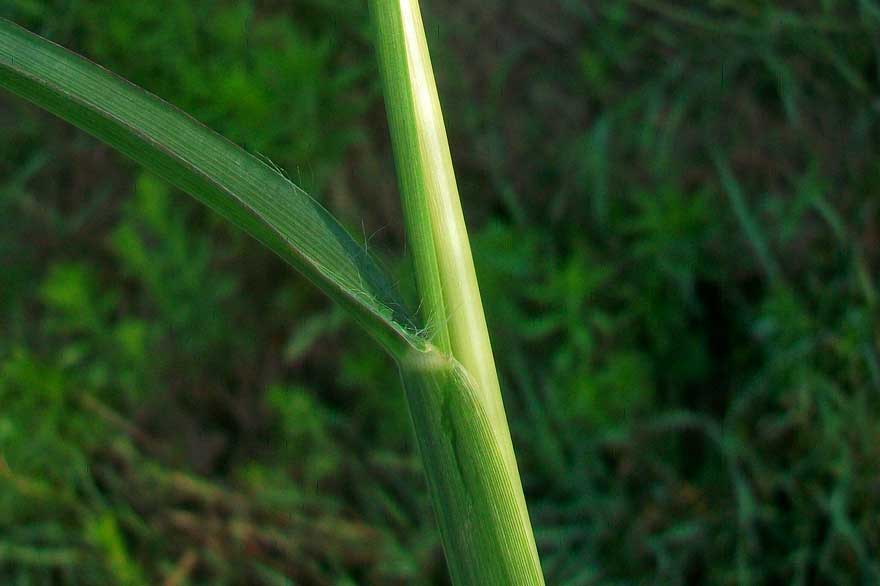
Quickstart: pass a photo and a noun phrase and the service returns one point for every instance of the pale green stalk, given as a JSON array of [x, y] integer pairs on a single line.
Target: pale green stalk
[[451, 302], [435, 224]]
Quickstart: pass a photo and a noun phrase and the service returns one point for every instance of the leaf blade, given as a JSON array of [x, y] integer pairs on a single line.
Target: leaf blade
[[232, 182]]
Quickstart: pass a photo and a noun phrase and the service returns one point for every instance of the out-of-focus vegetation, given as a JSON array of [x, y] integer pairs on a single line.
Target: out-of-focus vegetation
[[674, 210]]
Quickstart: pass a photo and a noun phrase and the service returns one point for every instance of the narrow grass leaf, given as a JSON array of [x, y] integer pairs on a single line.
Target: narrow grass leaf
[[237, 185]]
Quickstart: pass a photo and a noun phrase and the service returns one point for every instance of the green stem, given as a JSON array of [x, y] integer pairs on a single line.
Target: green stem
[[450, 296]]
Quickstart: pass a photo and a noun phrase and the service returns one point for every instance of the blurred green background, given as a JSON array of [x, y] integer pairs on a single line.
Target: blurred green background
[[674, 213]]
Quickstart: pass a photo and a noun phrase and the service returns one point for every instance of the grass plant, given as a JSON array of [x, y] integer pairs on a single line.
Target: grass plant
[[447, 365]]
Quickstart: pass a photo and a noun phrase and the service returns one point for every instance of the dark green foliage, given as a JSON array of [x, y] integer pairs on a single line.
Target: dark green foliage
[[674, 208]]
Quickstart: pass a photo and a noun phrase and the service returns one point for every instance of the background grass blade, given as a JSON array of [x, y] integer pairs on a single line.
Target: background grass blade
[[229, 180]]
